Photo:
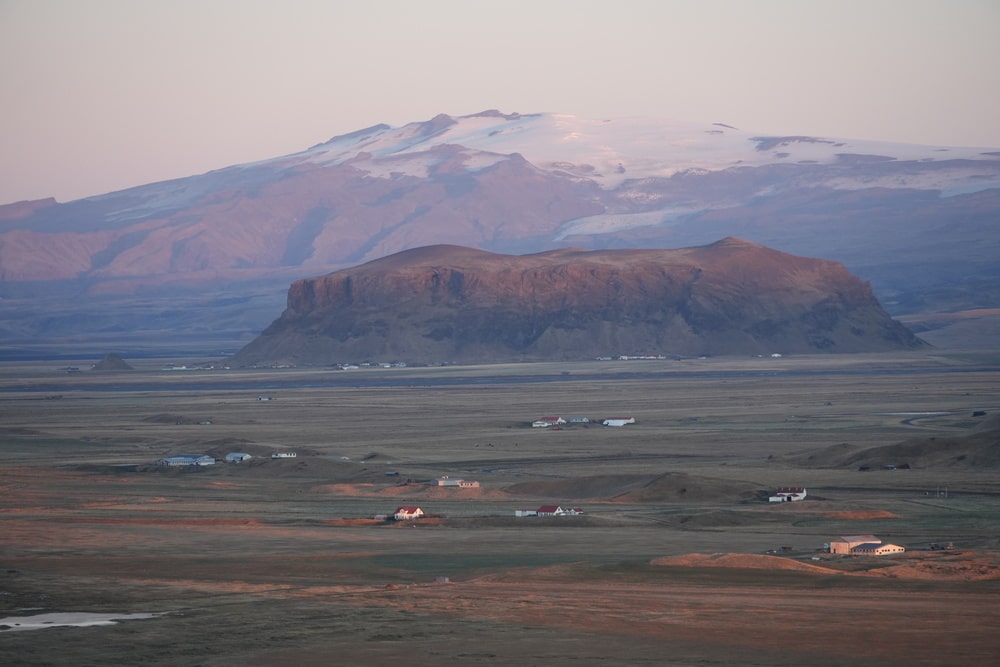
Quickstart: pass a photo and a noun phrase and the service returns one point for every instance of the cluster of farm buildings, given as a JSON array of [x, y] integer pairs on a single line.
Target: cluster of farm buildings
[[411, 512], [863, 545], [184, 460], [858, 545], [556, 421]]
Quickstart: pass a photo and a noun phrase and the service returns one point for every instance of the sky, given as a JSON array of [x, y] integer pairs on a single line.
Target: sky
[[101, 95]]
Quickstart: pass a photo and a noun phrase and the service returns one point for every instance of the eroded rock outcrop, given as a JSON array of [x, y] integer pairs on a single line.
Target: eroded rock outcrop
[[449, 303]]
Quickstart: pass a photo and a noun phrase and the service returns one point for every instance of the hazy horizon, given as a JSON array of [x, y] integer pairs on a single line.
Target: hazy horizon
[[110, 94]]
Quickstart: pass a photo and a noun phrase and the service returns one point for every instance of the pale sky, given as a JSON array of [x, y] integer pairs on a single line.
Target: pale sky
[[100, 95]]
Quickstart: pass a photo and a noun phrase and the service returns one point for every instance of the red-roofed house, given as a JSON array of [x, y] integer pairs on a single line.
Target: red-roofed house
[[408, 512], [550, 510], [786, 494]]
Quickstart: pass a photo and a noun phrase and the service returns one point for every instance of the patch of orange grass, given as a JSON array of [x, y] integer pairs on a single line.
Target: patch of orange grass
[[156, 521], [352, 522], [740, 561], [963, 568]]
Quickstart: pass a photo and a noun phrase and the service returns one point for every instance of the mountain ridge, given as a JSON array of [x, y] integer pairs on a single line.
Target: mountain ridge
[[917, 222]]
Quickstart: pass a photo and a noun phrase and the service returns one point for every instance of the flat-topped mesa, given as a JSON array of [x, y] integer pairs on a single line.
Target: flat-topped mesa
[[451, 303]]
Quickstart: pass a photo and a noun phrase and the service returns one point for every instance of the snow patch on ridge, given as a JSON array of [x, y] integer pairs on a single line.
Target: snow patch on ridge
[[606, 223], [613, 151]]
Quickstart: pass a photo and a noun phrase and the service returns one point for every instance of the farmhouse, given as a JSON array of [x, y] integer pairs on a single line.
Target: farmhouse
[[407, 513], [187, 460], [786, 494], [846, 543], [460, 483], [550, 510], [618, 421], [237, 457]]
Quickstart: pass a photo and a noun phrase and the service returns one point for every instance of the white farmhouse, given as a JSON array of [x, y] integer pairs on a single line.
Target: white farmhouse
[[786, 494], [407, 513], [460, 483]]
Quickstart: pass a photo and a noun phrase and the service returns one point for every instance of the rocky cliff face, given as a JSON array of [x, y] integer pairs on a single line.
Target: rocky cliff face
[[448, 303]]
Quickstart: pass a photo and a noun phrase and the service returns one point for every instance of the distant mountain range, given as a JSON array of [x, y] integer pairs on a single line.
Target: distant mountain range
[[213, 254], [447, 303]]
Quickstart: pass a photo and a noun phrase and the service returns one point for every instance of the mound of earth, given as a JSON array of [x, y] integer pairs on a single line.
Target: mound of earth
[[666, 487], [112, 362], [832, 456], [740, 562], [314, 468], [966, 567], [451, 303], [990, 422], [978, 448]]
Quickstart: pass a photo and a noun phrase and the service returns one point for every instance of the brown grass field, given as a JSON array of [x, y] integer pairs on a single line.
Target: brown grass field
[[678, 558]]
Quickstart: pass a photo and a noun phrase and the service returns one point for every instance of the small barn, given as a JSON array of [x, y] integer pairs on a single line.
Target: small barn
[[548, 421], [237, 457], [579, 420], [283, 455], [618, 421], [187, 460], [550, 510], [407, 513]]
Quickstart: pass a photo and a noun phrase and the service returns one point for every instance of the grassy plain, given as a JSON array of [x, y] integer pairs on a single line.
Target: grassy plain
[[277, 562]]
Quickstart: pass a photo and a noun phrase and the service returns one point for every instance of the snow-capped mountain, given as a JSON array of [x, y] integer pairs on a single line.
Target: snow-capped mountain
[[612, 152], [919, 222]]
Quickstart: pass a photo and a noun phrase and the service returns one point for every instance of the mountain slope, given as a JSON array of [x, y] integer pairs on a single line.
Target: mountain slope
[[918, 222], [448, 303]]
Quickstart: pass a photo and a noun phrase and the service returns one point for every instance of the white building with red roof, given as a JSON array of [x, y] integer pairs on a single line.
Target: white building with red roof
[[407, 513], [786, 494]]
